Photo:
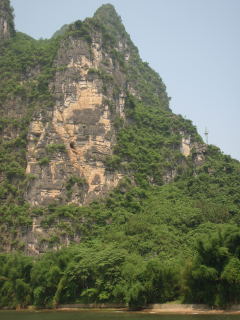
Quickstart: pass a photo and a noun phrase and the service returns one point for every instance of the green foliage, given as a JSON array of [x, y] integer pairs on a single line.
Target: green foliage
[[75, 180], [109, 23], [79, 30], [94, 272], [141, 243], [55, 147], [15, 287], [216, 186], [102, 74], [79, 181], [149, 146], [26, 70], [146, 82], [13, 169], [7, 10], [112, 162], [214, 276], [61, 31], [43, 161]]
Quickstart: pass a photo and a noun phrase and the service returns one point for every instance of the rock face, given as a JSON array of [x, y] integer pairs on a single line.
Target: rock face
[[71, 139], [195, 149], [6, 20], [68, 146], [81, 111], [68, 129]]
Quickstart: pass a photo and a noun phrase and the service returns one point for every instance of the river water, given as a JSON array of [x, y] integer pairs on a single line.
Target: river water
[[117, 315]]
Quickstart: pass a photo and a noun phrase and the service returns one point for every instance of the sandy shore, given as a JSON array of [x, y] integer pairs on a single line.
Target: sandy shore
[[155, 311], [187, 311], [163, 309]]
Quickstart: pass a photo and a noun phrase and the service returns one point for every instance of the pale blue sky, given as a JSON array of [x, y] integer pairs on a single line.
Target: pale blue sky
[[193, 44]]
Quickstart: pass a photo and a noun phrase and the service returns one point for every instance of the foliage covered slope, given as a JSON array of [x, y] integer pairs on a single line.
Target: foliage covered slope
[[134, 244]]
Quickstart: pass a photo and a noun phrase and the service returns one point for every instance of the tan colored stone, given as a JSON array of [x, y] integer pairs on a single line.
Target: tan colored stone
[[185, 147], [82, 140]]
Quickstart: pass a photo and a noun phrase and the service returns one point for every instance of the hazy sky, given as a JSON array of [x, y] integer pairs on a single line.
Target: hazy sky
[[193, 44]]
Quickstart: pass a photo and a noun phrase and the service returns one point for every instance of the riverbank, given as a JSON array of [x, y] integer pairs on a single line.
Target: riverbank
[[166, 308], [150, 309]]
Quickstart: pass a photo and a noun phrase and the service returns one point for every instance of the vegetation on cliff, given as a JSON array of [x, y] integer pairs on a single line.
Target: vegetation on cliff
[[7, 28], [171, 227], [26, 69]]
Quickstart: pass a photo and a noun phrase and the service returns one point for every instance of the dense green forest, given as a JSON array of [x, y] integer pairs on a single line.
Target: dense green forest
[[139, 246], [103, 271], [153, 238]]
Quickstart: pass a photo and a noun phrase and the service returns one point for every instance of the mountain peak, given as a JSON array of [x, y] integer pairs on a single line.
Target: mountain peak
[[108, 14], [6, 20]]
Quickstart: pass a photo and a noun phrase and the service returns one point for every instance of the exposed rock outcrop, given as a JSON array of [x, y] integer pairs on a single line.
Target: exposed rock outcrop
[[82, 112], [72, 141], [196, 149]]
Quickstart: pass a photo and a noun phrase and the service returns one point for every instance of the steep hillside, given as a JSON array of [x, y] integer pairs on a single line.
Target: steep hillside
[[80, 112], [74, 89], [93, 159]]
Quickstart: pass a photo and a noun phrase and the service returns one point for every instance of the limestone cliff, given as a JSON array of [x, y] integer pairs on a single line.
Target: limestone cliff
[[81, 114], [80, 126], [68, 145]]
